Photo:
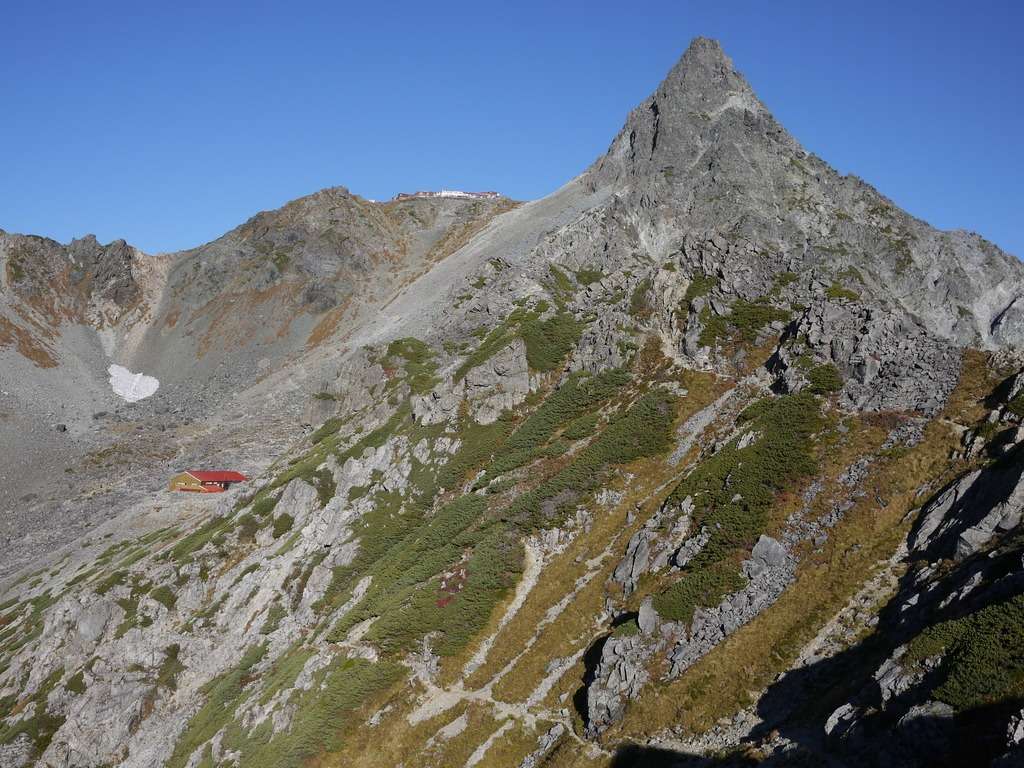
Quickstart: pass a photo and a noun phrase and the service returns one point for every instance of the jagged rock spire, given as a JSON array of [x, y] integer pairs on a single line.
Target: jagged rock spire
[[702, 103], [704, 77], [703, 155]]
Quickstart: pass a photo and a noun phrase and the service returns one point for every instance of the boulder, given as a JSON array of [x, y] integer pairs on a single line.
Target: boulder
[[647, 617], [619, 676], [499, 384]]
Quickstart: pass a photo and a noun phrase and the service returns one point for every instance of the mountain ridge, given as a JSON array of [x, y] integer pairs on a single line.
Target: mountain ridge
[[710, 456]]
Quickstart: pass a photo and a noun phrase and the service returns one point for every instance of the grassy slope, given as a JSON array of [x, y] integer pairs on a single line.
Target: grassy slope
[[521, 651], [519, 659], [727, 678]]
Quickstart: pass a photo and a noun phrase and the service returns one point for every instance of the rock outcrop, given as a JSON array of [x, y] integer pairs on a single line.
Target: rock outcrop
[[511, 460]]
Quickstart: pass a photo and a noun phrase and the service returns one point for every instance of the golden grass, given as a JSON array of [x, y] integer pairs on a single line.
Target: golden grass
[[481, 723], [569, 754], [393, 741], [328, 324], [564, 636], [977, 379], [28, 346], [512, 746], [732, 675]]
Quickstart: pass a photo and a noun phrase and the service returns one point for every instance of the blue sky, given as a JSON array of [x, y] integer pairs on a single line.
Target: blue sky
[[169, 123]]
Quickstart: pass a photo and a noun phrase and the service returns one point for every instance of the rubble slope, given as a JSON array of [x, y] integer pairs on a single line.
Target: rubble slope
[[711, 457]]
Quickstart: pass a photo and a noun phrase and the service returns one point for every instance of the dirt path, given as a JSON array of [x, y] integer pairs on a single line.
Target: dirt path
[[435, 699], [694, 426]]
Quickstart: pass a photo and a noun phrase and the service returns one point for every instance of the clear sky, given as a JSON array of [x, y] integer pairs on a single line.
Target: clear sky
[[169, 123]]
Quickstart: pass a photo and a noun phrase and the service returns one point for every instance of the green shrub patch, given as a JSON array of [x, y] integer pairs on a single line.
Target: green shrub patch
[[1016, 406], [639, 304], [581, 427], [547, 341], [823, 379], [561, 286], [321, 718], [579, 394], [165, 597], [77, 683], [275, 615], [982, 655], [479, 442], [170, 668], [700, 285], [405, 578], [282, 524], [223, 695], [744, 322], [700, 587], [328, 428], [588, 275], [418, 361], [645, 429], [40, 726], [837, 292], [732, 493]]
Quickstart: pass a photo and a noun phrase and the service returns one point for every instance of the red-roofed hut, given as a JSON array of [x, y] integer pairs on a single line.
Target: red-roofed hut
[[205, 481]]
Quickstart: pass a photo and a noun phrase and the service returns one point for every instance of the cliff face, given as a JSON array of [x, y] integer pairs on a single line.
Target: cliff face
[[711, 452], [703, 153]]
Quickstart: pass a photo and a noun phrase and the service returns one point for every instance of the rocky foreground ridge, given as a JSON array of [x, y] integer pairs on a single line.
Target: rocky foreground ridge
[[712, 457]]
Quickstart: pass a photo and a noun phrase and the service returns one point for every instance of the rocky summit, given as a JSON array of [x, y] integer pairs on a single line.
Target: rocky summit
[[712, 457]]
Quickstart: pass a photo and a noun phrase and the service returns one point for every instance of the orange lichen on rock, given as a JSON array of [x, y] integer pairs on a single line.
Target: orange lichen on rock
[[171, 318], [28, 345], [327, 325], [236, 317]]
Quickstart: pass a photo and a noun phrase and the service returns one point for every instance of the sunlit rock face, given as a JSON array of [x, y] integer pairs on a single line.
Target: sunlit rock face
[[710, 452]]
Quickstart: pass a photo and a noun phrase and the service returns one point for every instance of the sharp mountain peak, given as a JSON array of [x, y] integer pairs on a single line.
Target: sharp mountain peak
[[512, 459], [704, 72]]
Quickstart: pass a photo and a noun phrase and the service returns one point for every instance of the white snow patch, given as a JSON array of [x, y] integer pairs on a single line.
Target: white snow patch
[[132, 387]]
